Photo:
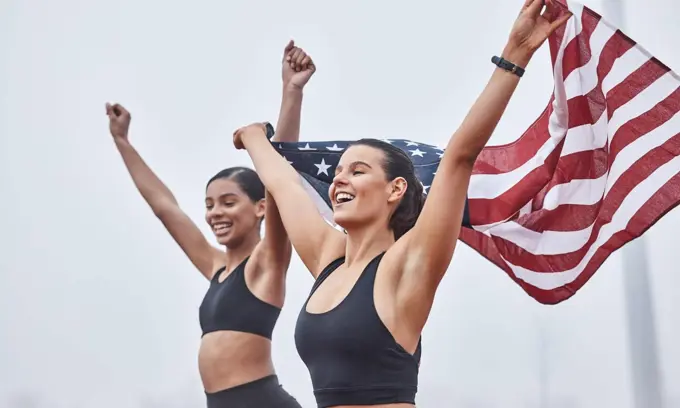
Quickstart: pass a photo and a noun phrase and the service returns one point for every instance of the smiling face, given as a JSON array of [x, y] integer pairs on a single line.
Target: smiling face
[[231, 213], [361, 192]]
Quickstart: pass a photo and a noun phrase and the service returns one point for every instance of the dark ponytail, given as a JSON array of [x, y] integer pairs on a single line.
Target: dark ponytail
[[398, 164]]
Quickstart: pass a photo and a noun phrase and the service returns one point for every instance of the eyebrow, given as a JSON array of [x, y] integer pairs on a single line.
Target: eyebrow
[[222, 196], [338, 168]]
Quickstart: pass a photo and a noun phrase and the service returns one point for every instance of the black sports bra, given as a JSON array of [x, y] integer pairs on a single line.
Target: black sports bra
[[230, 305], [351, 356]]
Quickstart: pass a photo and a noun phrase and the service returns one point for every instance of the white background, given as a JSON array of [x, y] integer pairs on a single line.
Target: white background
[[98, 306]]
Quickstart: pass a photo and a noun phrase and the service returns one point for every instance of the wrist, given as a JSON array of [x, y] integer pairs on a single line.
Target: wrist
[[291, 88], [121, 142], [517, 55]]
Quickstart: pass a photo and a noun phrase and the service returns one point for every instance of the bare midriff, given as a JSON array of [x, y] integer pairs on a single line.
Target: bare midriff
[[227, 359], [377, 406]]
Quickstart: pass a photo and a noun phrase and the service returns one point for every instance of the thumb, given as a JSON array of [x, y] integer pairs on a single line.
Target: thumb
[[289, 46]]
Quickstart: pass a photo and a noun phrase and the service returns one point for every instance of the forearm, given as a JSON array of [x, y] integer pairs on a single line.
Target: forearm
[[287, 130], [482, 119], [152, 189], [274, 171], [288, 125]]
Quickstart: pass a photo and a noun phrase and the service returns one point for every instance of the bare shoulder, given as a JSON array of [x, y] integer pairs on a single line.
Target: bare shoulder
[[332, 248], [218, 259]]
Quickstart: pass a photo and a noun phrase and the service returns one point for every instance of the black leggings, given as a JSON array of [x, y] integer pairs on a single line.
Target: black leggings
[[263, 393]]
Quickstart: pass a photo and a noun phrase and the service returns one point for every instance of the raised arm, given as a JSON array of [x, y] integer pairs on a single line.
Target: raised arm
[[161, 200], [431, 242], [297, 69], [316, 242]]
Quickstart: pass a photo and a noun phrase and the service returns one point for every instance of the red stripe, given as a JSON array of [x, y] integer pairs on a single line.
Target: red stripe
[[585, 109], [577, 53], [505, 158], [617, 45], [644, 167], [555, 40]]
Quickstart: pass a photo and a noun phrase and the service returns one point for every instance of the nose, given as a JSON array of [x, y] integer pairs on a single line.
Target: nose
[[340, 179], [214, 213]]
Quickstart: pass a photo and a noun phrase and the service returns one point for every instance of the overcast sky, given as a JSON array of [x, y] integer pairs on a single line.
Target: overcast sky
[[99, 307]]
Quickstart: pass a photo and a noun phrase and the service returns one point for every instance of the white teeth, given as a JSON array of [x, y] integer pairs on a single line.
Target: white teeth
[[343, 197], [221, 226]]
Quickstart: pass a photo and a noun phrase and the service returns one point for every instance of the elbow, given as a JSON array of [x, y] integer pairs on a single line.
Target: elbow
[[463, 158], [462, 154], [164, 209]]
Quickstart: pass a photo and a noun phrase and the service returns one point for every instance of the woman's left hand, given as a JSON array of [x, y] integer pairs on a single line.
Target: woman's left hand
[[532, 28]]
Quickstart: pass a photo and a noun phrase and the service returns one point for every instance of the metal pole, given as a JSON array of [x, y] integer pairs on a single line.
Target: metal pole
[[646, 378]]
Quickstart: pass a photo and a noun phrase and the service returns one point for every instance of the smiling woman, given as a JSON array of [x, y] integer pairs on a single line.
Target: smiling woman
[[359, 332], [247, 278], [234, 203]]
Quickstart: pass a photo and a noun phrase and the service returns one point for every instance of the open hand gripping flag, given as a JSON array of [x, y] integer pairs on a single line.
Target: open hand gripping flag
[[597, 168]]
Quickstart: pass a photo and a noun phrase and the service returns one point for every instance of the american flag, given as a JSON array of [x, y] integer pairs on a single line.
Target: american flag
[[597, 168]]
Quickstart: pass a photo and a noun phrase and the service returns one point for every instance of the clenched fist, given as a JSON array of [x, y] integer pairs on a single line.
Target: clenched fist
[[119, 121], [298, 66], [254, 129]]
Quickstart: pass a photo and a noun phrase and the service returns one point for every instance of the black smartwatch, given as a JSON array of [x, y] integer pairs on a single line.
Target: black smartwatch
[[507, 65]]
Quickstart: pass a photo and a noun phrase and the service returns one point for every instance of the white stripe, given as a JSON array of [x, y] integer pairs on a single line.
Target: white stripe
[[576, 192], [586, 137], [542, 243], [486, 227], [527, 208], [630, 205], [625, 65]]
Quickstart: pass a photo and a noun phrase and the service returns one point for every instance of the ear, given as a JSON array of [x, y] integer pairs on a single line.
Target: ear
[[398, 189], [260, 207]]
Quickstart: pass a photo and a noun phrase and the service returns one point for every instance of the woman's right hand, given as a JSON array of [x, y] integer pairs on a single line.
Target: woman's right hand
[[532, 29], [255, 129], [119, 121]]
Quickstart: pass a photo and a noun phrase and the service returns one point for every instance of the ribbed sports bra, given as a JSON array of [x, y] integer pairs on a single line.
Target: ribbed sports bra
[[230, 305], [351, 356]]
